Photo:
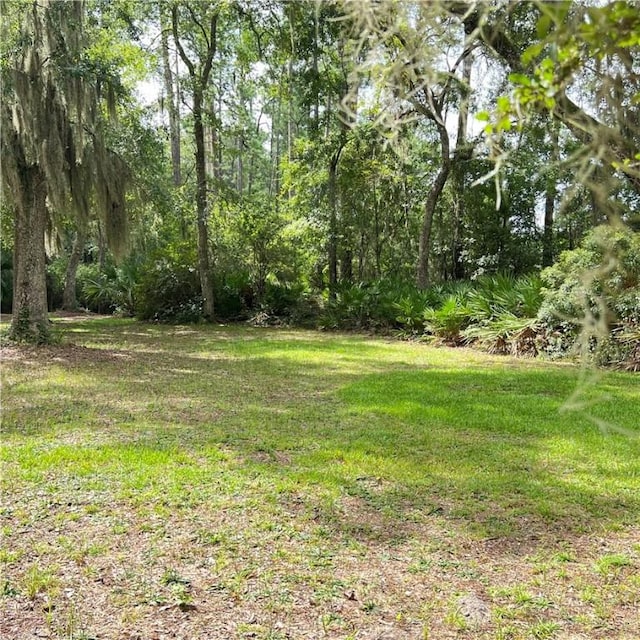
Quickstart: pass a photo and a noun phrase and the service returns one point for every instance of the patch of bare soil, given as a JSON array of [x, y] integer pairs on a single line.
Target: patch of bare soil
[[90, 567], [68, 354]]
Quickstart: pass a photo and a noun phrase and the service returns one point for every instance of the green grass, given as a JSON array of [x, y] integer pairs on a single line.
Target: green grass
[[247, 479]]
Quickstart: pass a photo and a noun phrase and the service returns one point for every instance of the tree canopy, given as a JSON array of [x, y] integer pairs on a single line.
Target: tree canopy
[[277, 157]]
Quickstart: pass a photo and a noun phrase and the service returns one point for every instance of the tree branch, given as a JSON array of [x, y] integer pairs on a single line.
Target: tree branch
[[587, 129], [211, 49], [176, 38], [199, 25]]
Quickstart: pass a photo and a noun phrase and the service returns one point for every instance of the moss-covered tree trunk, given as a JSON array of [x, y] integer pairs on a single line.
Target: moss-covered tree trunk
[[50, 165], [30, 321]]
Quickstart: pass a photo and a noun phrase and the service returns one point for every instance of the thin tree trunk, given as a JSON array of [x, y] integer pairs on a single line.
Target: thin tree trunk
[[69, 301], [173, 107], [361, 255], [200, 78], [204, 267], [332, 250], [218, 149], [422, 279], [377, 243], [30, 321], [274, 151], [550, 199], [315, 117], [290, 92], [462, 155]]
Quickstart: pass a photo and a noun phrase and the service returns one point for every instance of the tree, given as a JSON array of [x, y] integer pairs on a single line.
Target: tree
[[52, 135], [580, 67], [172, 91], [203, 42], [416, 40]]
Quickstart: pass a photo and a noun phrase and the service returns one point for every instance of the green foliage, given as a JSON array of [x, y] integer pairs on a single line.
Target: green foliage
[[503, 312], [234, 294], [449, 319], [576, 46], [56, 271], [368, 306], [493, 295], [594, 291], [111, 290], [603, 274], [108, 290], [289, 302], [168, 289], [6, 280], [410, 313]]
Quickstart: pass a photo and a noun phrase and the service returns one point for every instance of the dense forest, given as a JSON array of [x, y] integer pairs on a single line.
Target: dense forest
[[464, 170]]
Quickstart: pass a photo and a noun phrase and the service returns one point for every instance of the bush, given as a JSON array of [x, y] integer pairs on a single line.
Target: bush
[[449, 319], [233, 295], [503, 312], [56, 273], [366, 306], [593, 293], [169, 288], [108, 290]]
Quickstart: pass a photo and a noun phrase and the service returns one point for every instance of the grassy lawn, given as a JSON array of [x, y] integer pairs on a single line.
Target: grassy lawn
[[227, 482]]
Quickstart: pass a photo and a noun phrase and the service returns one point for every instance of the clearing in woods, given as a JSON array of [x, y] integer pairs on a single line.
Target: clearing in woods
[[231, 482]]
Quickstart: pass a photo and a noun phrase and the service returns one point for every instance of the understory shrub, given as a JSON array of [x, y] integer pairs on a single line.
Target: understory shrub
[[449, 319], [371, 306], [56, 271], [591, 296], [168, 289], [503, 314], [233, 295], [110, 289], [410, 309]]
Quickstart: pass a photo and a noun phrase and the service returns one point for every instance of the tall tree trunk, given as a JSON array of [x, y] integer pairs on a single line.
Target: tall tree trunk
[[173, 107], [332, 249], [292, 42], [204, 266], [315, 115], [346, 266], [274, 151], [422, 278], [550, 199], [462, 155], [218, 139], [30, 321], [376, 231], [69, 302], [362, 248], [200, 75]]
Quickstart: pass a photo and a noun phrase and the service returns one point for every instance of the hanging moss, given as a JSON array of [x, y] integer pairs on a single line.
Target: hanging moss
[[52, 127], [55, 122]]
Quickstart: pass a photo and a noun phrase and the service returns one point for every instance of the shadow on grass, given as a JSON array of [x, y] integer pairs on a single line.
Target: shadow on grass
[[483, 448]]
